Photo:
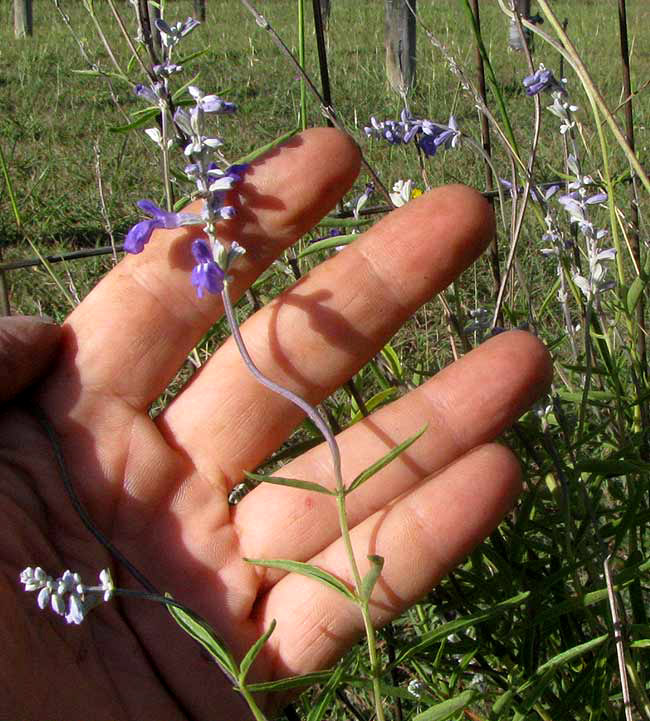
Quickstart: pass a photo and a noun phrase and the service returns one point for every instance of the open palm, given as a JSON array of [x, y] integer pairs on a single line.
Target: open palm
[[159, 488]]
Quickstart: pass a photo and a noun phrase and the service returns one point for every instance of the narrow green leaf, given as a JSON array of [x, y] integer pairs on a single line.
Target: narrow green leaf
[[269, 146], [291, 682], [370, 579], [322, 705], [384, 688], [306, 569], [131, 64], [393, 360], [377, 400], [192, 56], [176, 95], [101, 74], [534, 687], [634, 294], [446, 709], [502, 704], [592, 397], [294, 482], [254, 651], [428, 639], [334, 222], [612, 466], [571, 653], [382, 462], [181, 203], [142, 119], [203, 633], [379, 375], [327, 243]]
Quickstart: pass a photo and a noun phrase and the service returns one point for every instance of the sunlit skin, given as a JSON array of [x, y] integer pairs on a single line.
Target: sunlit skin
[[159, 487]]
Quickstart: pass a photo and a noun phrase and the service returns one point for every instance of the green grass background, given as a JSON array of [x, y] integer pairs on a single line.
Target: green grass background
[[54, 123]]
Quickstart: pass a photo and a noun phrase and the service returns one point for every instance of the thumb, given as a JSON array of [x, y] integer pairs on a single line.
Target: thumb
[[27, 346]]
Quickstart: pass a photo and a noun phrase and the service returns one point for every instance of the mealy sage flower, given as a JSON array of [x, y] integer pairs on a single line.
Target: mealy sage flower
[[541, 79], [66, 595], [140, 234]]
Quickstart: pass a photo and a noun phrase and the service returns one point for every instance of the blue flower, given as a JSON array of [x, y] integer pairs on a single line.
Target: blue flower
[[210, 103], [428, 145], [171, 35], [152, 93], [206, 274], [540, 80], [430, 136], [448, 137], [140, 233]]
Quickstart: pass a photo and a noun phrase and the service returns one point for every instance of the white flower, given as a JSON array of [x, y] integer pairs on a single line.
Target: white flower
[[75, 610], [43, 598], [156, 136], [58, 604], [69, 589], [401, 192], [107, 584]]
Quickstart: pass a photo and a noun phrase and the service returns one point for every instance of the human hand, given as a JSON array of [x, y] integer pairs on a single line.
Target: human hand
[[159, 488]]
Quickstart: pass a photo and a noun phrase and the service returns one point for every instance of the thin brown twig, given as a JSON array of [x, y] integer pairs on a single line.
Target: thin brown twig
[[618, 639]]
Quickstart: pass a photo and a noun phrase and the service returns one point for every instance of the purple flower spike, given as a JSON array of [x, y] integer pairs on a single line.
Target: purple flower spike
[[206, 274], [140, 233]]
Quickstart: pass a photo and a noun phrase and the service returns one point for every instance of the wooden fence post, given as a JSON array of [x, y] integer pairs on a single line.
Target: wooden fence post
[[22, 18], [400, 44], [199, 10], [154, 14], [325, 11]]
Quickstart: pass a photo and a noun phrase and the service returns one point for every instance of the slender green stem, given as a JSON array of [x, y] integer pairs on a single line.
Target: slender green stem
[[311, 412], [322, 426], [169, 194], [250, 700], [364, 605], [10, 188], [301, 60], [127, 37]]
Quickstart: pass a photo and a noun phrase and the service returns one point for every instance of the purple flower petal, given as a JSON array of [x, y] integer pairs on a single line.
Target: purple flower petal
[[201, 251], [139, 236], [150, 208], [206, 274], [428, 145], [597, 198], [227, 212], [540, 80], [237, 171]]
